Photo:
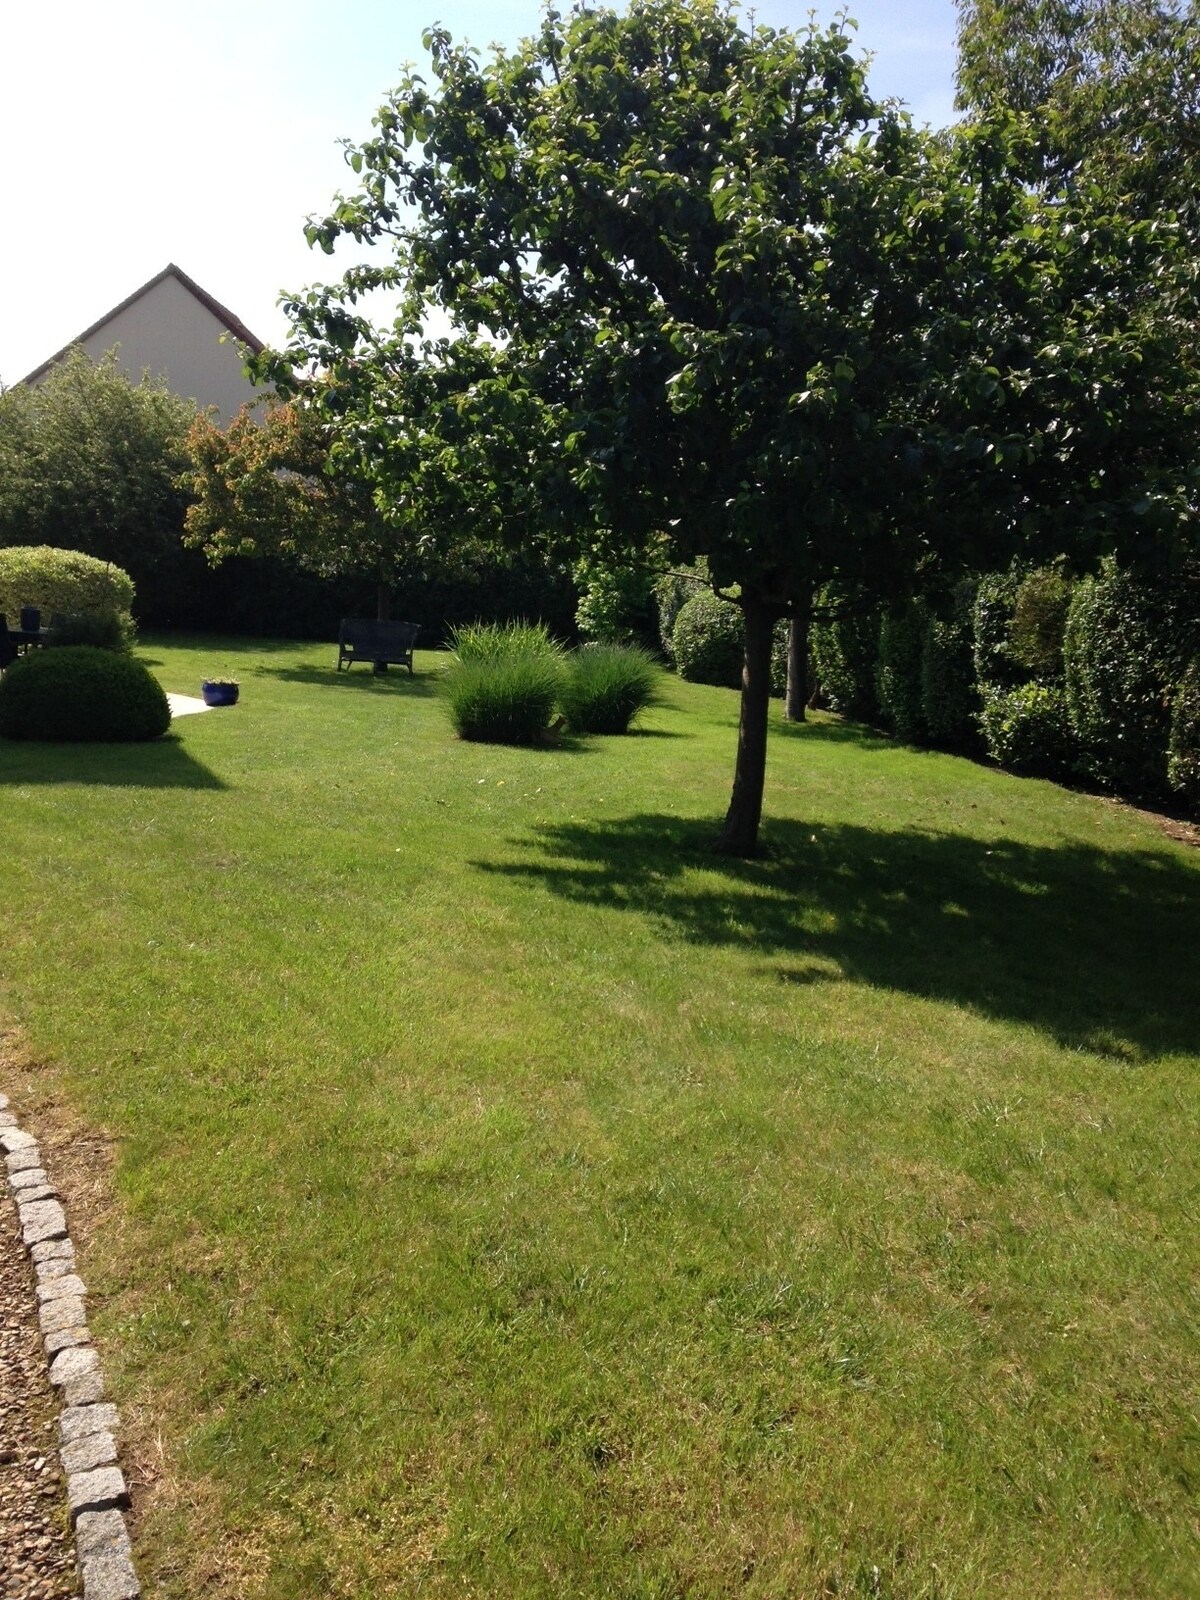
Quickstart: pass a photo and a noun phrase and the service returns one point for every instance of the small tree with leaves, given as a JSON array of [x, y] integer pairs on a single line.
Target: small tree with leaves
[[707, 291]]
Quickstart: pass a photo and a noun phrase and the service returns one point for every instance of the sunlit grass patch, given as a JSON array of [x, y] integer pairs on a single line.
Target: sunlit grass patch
[[519, 1199]]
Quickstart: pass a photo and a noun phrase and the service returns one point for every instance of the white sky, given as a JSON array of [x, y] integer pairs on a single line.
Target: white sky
[[137, 132]]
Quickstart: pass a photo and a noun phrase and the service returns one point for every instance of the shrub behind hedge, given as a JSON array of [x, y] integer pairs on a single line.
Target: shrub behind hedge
[[84, 694], [708, 641]]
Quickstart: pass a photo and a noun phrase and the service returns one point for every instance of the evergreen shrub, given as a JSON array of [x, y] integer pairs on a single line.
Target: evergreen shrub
[[901, 647], [615, 606], [845, 658], [672, 591], [708, 641], [1183, 750], [992, 614], [606, 686], [81, 693], [1038, 623], [950, 701], [1027, 729], [1121, 643], [67, 582], [101, 629]]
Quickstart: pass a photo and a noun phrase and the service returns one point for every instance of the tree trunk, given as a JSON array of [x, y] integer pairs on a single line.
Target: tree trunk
[[739, 837], [383, 594], [796, 697]]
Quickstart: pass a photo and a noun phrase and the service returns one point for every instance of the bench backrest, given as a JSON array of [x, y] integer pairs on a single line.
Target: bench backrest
[[365, 635]]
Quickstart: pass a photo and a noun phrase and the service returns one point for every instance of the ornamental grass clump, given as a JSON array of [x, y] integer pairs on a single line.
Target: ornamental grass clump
[[505, 641], [81, 694], [606, 686], [504, 683]]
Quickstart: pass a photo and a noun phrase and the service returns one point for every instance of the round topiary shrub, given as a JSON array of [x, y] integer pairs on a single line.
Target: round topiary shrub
[[66, 582], [672, 591], [1028, 729], [81, 693], [1183, 755], [707, 641]]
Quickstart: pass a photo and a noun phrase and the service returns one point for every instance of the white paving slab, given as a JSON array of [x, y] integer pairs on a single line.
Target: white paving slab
[[185, 705]]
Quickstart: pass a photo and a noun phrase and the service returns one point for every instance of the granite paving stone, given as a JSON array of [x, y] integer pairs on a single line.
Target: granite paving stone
[[79, 1421], [58, 1288], [93, 1450], [99, 1490]]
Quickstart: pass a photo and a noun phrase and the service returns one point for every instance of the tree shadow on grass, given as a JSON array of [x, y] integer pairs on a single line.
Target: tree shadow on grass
[[1095, 949], [156, 764], [395, 681]]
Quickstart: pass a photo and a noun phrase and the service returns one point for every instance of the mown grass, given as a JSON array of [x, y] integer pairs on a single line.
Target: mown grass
[[520, 1200]]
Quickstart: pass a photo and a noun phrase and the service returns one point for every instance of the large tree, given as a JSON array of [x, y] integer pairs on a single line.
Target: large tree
[[89, 461], [1113, 86], [708, 294]]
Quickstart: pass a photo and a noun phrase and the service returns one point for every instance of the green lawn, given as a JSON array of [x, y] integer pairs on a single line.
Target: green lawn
[[517, 1199]]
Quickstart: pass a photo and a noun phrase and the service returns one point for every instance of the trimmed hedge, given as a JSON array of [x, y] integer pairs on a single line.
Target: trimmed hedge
[[64, 581], [901, 647], [1183, 749], [845, 657], [81, 694], [1120, 638], [708, 641], [1028, 729], [102, 629], [995, 602], [950, 701]]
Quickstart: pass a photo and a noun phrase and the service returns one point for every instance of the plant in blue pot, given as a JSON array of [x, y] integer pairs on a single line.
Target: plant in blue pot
[[219, 691]]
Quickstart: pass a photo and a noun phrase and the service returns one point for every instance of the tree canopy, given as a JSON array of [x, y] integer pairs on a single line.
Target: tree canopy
[[90, 461], [1114, 86], [708, 295]]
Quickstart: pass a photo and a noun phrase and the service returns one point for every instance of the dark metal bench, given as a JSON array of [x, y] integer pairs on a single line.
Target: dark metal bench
[[381, 643]]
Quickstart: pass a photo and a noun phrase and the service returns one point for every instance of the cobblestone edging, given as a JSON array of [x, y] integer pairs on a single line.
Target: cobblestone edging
[[96, 1491]]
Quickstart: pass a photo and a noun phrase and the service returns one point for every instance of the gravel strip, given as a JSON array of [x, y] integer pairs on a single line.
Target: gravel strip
[[57, 1473], [37, 1556]]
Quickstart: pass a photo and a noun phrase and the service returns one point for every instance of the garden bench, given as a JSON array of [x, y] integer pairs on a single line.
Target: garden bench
[[381, 643]]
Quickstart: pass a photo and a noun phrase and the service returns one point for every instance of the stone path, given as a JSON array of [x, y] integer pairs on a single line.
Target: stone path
[[57, 1473], [185, 705]]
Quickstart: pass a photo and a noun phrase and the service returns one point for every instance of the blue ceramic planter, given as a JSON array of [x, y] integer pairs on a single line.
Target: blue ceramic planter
[[219, 694]]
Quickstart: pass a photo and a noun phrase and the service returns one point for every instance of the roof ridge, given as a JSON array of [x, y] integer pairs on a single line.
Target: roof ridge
[[232, 324]]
